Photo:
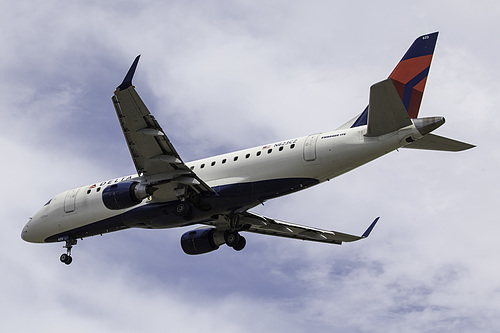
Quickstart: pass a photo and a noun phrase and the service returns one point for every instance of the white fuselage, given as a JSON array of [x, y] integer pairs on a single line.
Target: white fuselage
[[266, 171]]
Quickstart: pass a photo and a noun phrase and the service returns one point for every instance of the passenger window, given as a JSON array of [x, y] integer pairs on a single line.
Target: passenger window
[[292, 146], [223, 161], [202, 166], [192, 168], [269, 151], [213, 163], [281, 148], [258, 153], [235, 158], [247, 156]]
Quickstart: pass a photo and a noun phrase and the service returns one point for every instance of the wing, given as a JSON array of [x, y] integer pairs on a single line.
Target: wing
[[154, 156], [264, 225]]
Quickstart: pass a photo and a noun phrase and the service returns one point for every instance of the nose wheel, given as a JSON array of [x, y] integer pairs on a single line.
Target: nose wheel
[[66, 257]]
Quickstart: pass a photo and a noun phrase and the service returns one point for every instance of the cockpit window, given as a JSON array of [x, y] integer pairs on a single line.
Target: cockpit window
[[48, 202]]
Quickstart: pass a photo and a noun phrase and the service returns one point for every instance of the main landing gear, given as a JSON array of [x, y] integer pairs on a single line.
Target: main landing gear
[[66, 257], [235, 240]]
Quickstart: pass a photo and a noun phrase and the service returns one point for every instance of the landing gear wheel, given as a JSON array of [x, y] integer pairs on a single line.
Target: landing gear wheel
[[184, 209], [241, 244], [181, 208], [232, 238], [66, 258]]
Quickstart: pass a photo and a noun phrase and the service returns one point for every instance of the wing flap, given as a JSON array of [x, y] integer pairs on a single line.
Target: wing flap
[[264, 225]]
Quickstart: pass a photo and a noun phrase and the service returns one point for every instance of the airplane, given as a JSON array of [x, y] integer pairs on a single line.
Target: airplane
[[218, 192]]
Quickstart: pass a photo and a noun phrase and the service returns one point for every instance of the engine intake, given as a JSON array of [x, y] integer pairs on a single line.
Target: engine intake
[[124, 195], [201, 241]]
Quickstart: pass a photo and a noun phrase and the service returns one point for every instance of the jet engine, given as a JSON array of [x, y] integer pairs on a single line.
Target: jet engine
[[124, 195], [201, 241], [206, 240]]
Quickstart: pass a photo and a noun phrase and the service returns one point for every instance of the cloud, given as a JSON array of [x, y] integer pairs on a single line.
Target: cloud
[[222, 76]]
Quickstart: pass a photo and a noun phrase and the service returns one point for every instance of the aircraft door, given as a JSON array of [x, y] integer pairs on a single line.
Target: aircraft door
[[70, 201], [310, 147]]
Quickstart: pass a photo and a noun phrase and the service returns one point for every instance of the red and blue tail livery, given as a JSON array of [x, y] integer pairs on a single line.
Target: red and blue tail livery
[[410, 75]]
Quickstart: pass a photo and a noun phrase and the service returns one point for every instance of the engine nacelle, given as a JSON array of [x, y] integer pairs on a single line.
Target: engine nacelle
[[201, 241], [124, 195]]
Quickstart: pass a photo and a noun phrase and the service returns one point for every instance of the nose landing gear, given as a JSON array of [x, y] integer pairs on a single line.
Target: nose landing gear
[[66, 257]]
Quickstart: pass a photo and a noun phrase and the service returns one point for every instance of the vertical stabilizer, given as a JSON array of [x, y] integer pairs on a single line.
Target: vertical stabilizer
[[410, 75]]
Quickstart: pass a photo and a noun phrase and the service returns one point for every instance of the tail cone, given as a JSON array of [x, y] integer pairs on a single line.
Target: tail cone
[[428, 124]]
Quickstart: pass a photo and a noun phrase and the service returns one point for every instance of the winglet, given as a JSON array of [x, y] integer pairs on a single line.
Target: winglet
[[127, 81], [370, 228]]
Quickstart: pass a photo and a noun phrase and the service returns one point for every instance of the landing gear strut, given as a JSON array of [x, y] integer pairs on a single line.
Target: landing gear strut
[[66, 257]]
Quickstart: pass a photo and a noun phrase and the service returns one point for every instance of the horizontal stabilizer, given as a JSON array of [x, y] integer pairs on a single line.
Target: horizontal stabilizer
[[436, 142], [386, 112]]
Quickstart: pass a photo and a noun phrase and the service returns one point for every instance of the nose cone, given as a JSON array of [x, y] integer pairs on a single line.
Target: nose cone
[[31, 233], [24, 233]]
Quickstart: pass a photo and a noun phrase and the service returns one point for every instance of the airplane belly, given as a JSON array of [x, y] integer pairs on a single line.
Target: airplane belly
[[273, 188]]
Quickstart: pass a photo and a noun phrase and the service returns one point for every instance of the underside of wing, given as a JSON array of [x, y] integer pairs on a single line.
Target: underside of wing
[[264, 225], [154, 156]]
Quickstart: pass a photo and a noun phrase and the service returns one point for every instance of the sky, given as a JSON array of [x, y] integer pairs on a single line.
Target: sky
[[226, 75]]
